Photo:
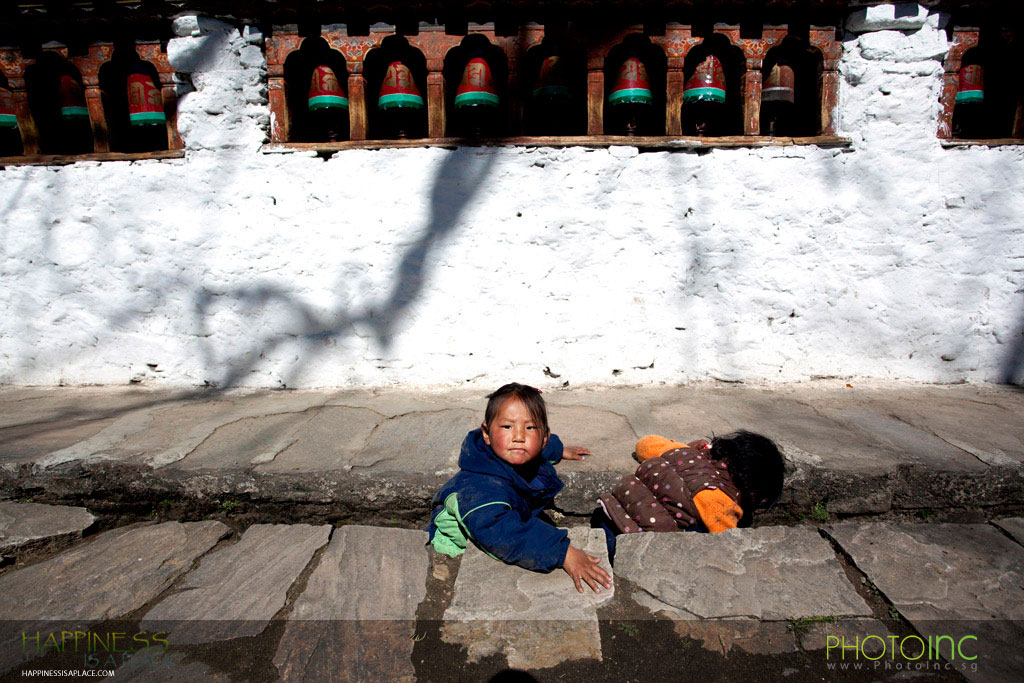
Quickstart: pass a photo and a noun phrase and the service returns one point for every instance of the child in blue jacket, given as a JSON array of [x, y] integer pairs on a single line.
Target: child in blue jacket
[[507, 478]]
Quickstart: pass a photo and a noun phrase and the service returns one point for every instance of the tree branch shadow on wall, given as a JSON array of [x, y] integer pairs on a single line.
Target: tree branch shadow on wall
[[457, 181], [1013, 364]]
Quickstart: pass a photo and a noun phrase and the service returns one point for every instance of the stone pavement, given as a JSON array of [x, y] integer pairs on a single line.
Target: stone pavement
[[290, 583], [192, 601], [329, 456]]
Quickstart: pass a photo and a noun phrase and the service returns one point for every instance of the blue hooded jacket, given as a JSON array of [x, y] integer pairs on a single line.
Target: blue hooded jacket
[[492, 504]]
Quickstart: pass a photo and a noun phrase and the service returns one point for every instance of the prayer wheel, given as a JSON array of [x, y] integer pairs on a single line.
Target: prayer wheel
[[704, 96], [400, 102], [969, 120], [631, 94], [552, 98], [476, 99], [778, 101], [146, 117], [10, 135], [327, 105], [75, 131]]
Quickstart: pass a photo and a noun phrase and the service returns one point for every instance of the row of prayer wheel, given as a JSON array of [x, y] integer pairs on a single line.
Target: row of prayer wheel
[[67, 125], [477, 100]]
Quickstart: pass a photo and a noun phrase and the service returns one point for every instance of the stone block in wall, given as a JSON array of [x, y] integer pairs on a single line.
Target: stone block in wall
[[212, 50], [895, 46], [901, 16]]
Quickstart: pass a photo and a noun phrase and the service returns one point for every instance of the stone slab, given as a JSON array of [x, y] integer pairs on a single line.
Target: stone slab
[[773, 573], [1013, 526], [743, 635], [864, 448], [100, 579], [329, 441], [356, 618], [236, 591], [416, 441], [23, 524], [535, 620], [948, 579], [167, 667], [608, 435]]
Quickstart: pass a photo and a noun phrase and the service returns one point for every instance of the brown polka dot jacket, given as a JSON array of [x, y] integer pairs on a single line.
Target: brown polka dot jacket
[[675, 491]]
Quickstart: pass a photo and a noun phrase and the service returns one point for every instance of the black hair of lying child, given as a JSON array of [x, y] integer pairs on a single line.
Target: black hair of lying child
[[756, 467]]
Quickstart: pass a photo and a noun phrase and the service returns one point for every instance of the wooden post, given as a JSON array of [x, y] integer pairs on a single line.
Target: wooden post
[[435, 99], [280, 121], [595, 99], [752, 98], [29, 132], [356, 104], [674, 78], [97, 117], [514, 97], [829, 99], [170, 95]]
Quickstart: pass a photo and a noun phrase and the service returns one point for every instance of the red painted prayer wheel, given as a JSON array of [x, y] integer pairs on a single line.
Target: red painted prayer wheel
[[476, 89], [707, 84], [327, 106], [632, 84], [970, 87], [780, 86], [398, 90]]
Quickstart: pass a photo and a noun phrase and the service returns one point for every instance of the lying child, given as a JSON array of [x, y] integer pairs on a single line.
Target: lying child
[[699, 486], [506, 480]]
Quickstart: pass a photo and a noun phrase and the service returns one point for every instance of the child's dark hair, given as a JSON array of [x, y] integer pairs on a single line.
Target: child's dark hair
[[528, 395], [755, 464]]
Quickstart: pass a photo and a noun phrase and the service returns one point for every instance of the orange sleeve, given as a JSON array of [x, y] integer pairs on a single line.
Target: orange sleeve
[[717, 510], [652, 446]]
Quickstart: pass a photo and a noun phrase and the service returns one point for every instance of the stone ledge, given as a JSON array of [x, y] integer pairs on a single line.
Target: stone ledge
[[65, 159], [994, 142], [645, 143]]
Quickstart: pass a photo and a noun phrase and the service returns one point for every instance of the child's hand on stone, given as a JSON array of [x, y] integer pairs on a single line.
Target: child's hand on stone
[[574, 452], [585, 568]]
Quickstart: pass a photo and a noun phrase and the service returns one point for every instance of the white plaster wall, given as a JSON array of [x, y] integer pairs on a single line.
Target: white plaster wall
[[895, 258]]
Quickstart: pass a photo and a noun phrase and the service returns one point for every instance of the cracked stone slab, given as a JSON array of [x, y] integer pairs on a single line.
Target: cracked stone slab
[[948, 579], [769, 573], [246, 442], [329, 441], [163, 432], [100, 579], [23, 524], [609, 437], [418, 442], [535, 620], [236, 590], [356, 618], [1013, 526]]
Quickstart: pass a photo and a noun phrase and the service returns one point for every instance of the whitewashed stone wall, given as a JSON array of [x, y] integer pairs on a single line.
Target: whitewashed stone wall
[[894, 258]]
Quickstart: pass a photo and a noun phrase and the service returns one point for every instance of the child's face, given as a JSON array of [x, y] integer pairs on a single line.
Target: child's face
[[513, 435]]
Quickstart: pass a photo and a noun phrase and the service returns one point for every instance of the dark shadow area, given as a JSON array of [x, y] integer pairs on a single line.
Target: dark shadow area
[[802, 116], [127, 77], [56, 96], [1013, 364], [554, 92]]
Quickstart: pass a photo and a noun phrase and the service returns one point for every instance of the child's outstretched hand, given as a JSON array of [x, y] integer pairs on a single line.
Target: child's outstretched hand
[[574, 452], [583, 567]]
